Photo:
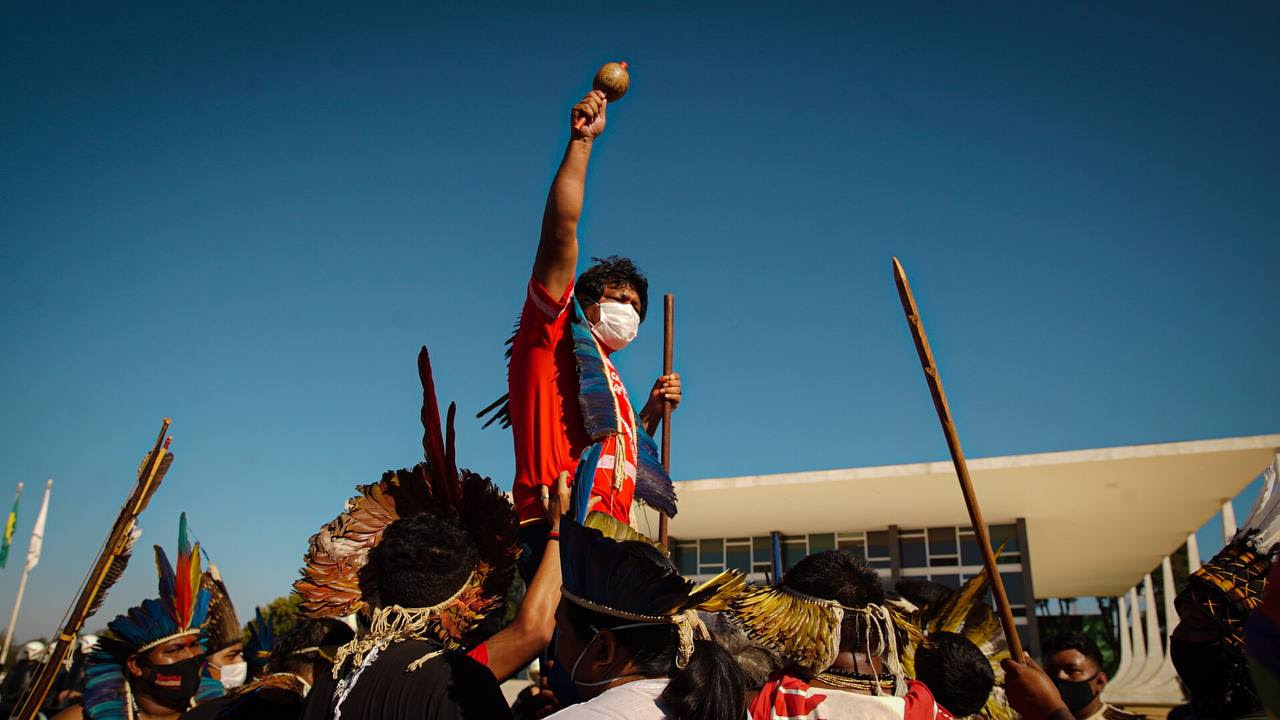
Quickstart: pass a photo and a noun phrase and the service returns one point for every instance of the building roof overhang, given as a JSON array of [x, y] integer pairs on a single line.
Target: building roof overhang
[[1097, 520]]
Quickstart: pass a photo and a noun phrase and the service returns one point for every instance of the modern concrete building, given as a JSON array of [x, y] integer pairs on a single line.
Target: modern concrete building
[[1076, 523]]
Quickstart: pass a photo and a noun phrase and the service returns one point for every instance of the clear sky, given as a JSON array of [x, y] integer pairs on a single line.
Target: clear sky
[[248, 217]]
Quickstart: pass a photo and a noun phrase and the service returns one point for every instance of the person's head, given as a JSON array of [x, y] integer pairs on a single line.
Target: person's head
[[1074, 662], [614, 290], [301, 651], [228, 665], [921, 592], [956, 672], [601, 651], [169, 672], [422, 560], [839, 576]]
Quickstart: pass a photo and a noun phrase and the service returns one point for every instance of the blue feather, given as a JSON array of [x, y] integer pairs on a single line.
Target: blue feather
[[583, 481], [595, 396], [653, 485], [168, 581]]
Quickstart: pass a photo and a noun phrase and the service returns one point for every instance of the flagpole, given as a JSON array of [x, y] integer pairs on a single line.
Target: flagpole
[[37, 536]]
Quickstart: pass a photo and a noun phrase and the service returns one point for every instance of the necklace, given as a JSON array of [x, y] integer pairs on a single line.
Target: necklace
[[860, 683]]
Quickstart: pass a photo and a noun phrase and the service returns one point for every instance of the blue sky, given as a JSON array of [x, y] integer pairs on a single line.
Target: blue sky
[[249, 217]]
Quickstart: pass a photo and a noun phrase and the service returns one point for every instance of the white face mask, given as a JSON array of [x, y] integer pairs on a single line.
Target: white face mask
[[233, 675], [619, 323]]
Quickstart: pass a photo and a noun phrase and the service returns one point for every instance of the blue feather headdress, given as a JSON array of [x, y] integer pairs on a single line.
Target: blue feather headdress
[[262, 634], [181, 609]]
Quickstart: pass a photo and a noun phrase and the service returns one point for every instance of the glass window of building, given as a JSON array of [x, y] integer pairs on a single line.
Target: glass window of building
[[711, 555], [853, 543], [686, 556], [794, 549], [878, 549], [737, 554], [912, 546], [822, 542]]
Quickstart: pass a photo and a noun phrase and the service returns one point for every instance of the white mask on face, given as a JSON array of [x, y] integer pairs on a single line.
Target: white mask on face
[[233, 675], [619, 323]]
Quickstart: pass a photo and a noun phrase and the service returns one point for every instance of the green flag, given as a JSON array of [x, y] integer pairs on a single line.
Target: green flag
[[8, 527]]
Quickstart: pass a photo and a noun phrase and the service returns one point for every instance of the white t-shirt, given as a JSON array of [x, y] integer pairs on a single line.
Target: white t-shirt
[[634, 701]]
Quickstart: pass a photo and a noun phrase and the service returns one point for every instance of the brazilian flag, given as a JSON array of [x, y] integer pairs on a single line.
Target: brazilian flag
[[8, 532]]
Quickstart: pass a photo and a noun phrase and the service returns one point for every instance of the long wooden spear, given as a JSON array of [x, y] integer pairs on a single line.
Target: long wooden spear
[[668, 365], [957, 457], [106, 571]]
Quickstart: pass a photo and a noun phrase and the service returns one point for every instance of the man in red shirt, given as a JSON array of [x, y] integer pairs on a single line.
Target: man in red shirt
[[565, 394]]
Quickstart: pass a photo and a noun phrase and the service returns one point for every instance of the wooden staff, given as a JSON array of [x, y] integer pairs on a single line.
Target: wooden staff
[[98, 579], [957, 457], [668, 357]]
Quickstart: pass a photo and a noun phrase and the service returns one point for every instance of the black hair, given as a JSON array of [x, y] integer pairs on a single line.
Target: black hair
[[613, 270], [1074, 641], [422, 560], [921, 592], [709, 687], [294, 650], [850, 581], [956, 672]]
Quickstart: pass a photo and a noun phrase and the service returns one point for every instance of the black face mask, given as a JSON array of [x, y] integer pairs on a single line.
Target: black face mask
[[1077, 694], [173, 685]]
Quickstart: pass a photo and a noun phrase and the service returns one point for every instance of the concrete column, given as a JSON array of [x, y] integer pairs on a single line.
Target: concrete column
[[1228, 520], [1193, 553]]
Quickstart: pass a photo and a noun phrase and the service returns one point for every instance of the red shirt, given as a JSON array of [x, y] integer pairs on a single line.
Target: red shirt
[[546, 419]]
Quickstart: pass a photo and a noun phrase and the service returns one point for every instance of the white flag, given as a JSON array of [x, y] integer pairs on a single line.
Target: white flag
[[37, 532]]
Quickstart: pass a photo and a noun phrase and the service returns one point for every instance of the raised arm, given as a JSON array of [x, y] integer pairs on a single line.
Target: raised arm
[[557, 257], [529, 633]]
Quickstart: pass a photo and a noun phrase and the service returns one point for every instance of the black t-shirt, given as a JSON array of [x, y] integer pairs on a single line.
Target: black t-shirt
[[449, 687]]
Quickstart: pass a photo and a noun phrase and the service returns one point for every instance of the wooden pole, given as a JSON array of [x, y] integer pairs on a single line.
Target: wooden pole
[[35, 694], [957, 457], [668, 366]]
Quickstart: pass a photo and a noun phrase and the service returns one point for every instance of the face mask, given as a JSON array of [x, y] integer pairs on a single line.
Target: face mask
[[175, 684], [619, 323], [232, 675], [1076, 694]]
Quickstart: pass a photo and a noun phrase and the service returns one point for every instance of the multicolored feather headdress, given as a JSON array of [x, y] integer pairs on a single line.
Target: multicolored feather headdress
[[182, 609], [331, 584], [610, 569]]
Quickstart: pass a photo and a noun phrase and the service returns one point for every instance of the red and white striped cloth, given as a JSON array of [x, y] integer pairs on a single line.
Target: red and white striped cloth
[[786, 697]]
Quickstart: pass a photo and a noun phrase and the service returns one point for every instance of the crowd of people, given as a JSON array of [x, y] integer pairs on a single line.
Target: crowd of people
[[402, 595]]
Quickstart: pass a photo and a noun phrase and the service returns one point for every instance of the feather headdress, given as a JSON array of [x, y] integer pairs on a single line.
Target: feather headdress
[[964, 613], [331, 584], [804, 629], [1229, 587], [262, 634], [224, 627], [610, 569], [182, 609]]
